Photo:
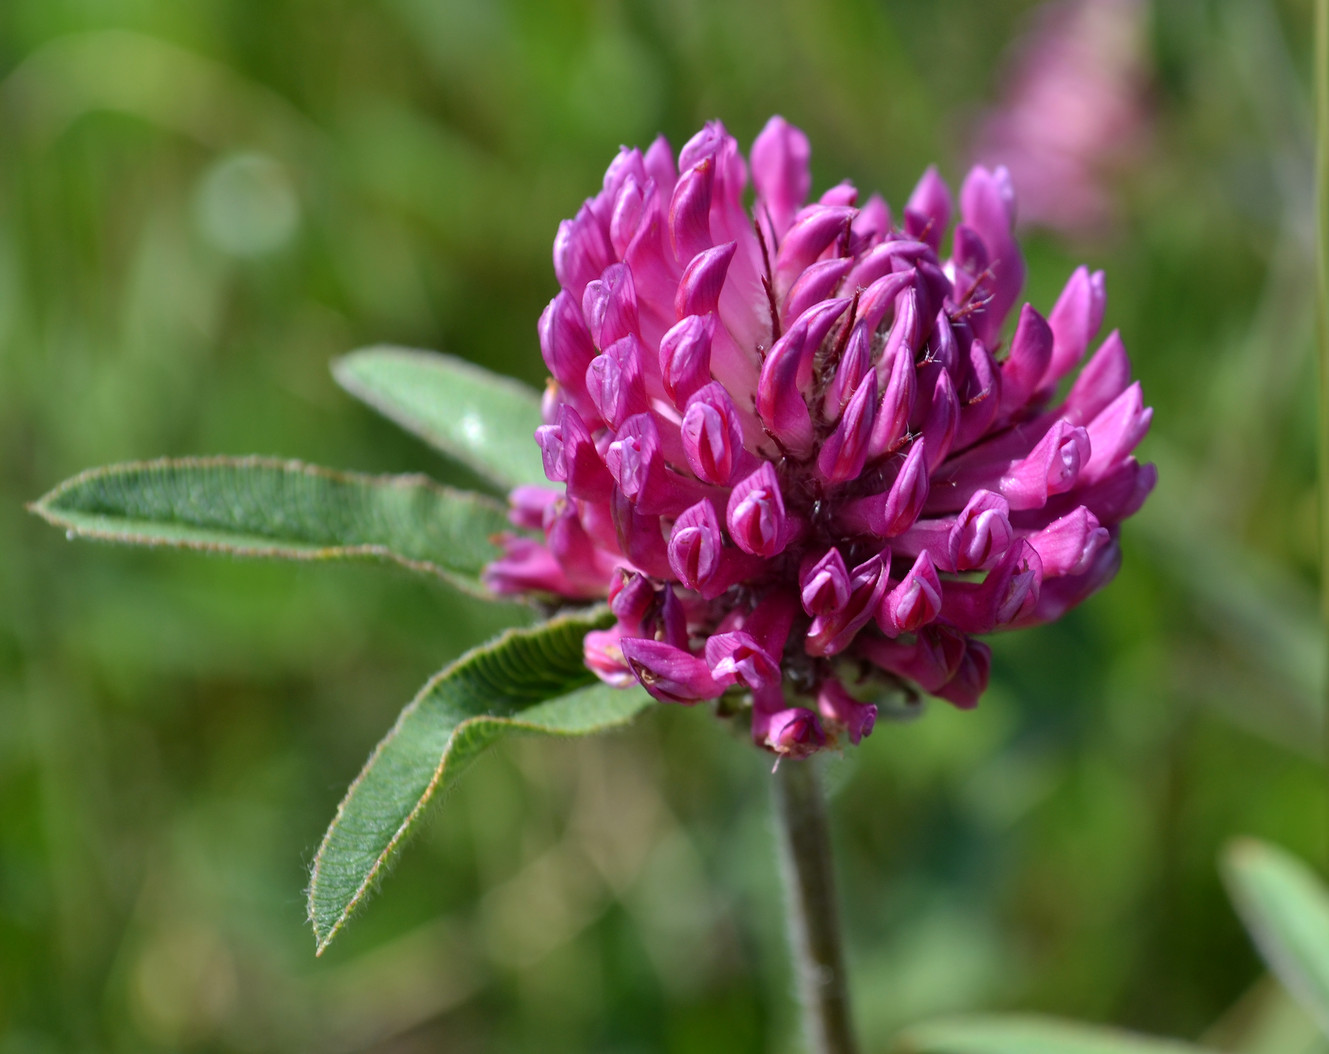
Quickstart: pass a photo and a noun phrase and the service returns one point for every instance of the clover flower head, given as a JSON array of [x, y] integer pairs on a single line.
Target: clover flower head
[[1075, 114], [797, 449]]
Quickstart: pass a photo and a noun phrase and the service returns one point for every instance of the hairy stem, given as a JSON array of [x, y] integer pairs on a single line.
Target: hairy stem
[[811, 908]]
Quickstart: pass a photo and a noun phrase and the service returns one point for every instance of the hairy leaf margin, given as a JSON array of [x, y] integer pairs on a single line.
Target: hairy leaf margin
[[525, 680]]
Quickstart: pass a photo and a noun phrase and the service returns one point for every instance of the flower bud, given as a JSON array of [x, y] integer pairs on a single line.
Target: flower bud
[[1031, 351], [712, 436], [609, 306], [1059, 595], [702, 281], [941, 420], [794, 732], [1069, 545], [1051, 467], [659, 164], [780, 171], [696, 545], [1104, 377], [756, 513], [841, 708], [824, 585], [633, 601], [915, 602], [1074, 321], [845, 450], [1008, 593], [891, 423], [895, 510], [581, 251], [780, 403], [570, 457], [669, 673], [928, 211], [565, 342], [527, 505], [1115, 432], [973, 276], [812, 233], [815, 285], [615, 381], [987, 204], [831, 633], [604, 657], [970, 679], [854, 365], [626, 218], [637, 463], [981, 534], [929, 660], [737, 658], [980, 395], [1118, 494], [786, 377], [690, 211], [873, 221], [685, 357]]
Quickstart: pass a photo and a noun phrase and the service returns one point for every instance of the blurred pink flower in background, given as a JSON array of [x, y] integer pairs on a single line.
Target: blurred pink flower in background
[[796, 448], [1075, 113]]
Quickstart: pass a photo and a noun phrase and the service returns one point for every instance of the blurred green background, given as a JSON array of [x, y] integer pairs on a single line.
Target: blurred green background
[[202, 203]]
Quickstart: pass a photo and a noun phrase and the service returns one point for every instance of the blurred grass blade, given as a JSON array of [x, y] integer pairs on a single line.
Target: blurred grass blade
[[1018, 1034], [1285, 907], [484, 420], [1321, 53], [526, 680], [263, 507]]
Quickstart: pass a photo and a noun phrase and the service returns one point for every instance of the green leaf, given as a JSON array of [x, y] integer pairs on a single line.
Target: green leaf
[[526, 680], [283, 509], [484, 420], [1025, 1034], [1285, 906]]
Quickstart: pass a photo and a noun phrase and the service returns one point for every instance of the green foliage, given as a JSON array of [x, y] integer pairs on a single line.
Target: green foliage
[[528, 680], [1285, 906], [484, 420], [262, 507], [170, 728], [1030, 1035], [1286, 909]]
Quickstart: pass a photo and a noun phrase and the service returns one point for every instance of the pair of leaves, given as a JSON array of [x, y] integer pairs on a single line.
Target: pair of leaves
[[529, 680], [1286, 910]]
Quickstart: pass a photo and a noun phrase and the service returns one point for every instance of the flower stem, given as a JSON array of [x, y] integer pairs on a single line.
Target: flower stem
[[811, 910]]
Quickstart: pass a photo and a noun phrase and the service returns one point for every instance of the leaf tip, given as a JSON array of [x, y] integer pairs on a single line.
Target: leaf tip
[[323, 934], [1241, 851], [341, 367], [44, 507], [346, 371], [321, 942]]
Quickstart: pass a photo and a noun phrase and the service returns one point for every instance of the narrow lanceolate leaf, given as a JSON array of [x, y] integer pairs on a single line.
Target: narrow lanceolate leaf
[[1285, 907], [1019, 1034], [284, 509], [526, 680], [482, 419]]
